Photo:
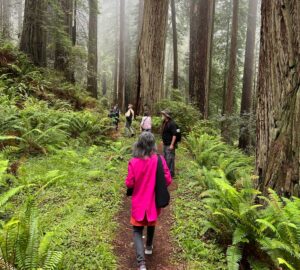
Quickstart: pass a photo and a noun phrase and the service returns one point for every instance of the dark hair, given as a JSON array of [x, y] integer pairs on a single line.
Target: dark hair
[[146, 114], [145, 146]]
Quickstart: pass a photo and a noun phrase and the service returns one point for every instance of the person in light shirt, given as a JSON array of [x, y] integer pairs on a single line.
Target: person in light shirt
[[146, 124]]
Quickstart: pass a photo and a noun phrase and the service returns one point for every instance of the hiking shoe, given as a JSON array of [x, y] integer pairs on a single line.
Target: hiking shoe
[[142, 267], [149, 250]]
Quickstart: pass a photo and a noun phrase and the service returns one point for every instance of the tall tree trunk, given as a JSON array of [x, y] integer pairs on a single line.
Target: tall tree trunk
[[64, 40], [121, 81], [136, 92], [92, 85], [74, 26], [229, 97], [1, 17], [34, 35], [175, 49], [152, 53], [6, 27], [278, 111], [104, 84], [211, 54], [244, 140], [128, 63], [226, 63], [201, 22], [20, 16], [116, 64]]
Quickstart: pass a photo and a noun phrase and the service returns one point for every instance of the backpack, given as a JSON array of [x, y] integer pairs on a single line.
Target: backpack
[[162, 195], [178, 134]]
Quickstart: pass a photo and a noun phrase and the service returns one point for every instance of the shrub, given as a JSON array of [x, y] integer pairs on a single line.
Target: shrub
[[185, 115], [263, 236]]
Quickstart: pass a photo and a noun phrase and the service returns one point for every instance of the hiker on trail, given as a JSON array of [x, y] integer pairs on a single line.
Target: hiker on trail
[[129, 117], [115, 115], [146, 122], [142, 179], [169, 131]]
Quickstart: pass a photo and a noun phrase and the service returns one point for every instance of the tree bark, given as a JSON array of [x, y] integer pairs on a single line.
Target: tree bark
[[152, 54], [175, 49], [1, 16], [116, 64], [34, 34], [64, 40], [6, 27], [244, 140], [104, 84], [136, 92], [229, 97], [121, 81], [201, 22], [92, 85], [20, 17], [278, 111]]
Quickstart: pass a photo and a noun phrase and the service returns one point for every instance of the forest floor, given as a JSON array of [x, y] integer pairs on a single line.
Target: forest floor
[[164, 246]]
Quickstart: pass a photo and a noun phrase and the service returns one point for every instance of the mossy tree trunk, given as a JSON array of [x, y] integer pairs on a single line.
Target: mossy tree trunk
[[64, 39], [278, 108], [34, 34]]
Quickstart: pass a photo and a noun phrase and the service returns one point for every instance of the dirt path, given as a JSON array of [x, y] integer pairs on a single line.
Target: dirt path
[[164, 248]]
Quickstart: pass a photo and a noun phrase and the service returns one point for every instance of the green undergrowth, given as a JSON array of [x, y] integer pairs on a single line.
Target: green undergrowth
[[220, 214], [189, 214], [80, 205]]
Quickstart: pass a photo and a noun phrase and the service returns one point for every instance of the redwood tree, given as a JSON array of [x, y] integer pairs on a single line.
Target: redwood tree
[[116, 65], [278, 108], [64, 39], [136, 88], [6, 23], [34, 34], [121, 73], [175, 50], [201, 25], [229, 95], [152, 54], [244, 139], [92, 85]]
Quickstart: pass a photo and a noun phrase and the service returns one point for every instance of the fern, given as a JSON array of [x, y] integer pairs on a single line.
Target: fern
[[233, 256]]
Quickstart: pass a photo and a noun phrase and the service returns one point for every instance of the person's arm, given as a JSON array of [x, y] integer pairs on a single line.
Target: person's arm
[[173, 131], [130, 176], [172, 145], [132, 114], [166, 171]]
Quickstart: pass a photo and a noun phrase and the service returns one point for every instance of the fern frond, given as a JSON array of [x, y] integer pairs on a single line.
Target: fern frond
[[233, 256]]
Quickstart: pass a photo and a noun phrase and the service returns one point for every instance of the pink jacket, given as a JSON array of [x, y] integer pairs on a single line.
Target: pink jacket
[[141, 177]]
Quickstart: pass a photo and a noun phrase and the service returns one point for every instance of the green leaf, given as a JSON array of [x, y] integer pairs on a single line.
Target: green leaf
[[233, 256]]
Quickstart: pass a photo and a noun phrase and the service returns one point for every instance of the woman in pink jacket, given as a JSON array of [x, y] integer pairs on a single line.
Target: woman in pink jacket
[[142, 177]]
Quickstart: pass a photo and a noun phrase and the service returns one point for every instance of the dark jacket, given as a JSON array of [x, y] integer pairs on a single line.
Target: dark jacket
[[169, 130]]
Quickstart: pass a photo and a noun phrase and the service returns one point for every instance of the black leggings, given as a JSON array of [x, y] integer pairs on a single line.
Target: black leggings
[[138, 241]]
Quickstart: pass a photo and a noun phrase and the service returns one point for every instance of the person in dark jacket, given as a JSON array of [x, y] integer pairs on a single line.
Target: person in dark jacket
[[169, 131]]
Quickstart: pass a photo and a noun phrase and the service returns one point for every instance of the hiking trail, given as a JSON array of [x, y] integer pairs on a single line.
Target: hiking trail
[[164, 247]]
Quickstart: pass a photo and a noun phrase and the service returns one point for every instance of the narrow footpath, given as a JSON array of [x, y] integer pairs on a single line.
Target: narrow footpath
[[164, 248]]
